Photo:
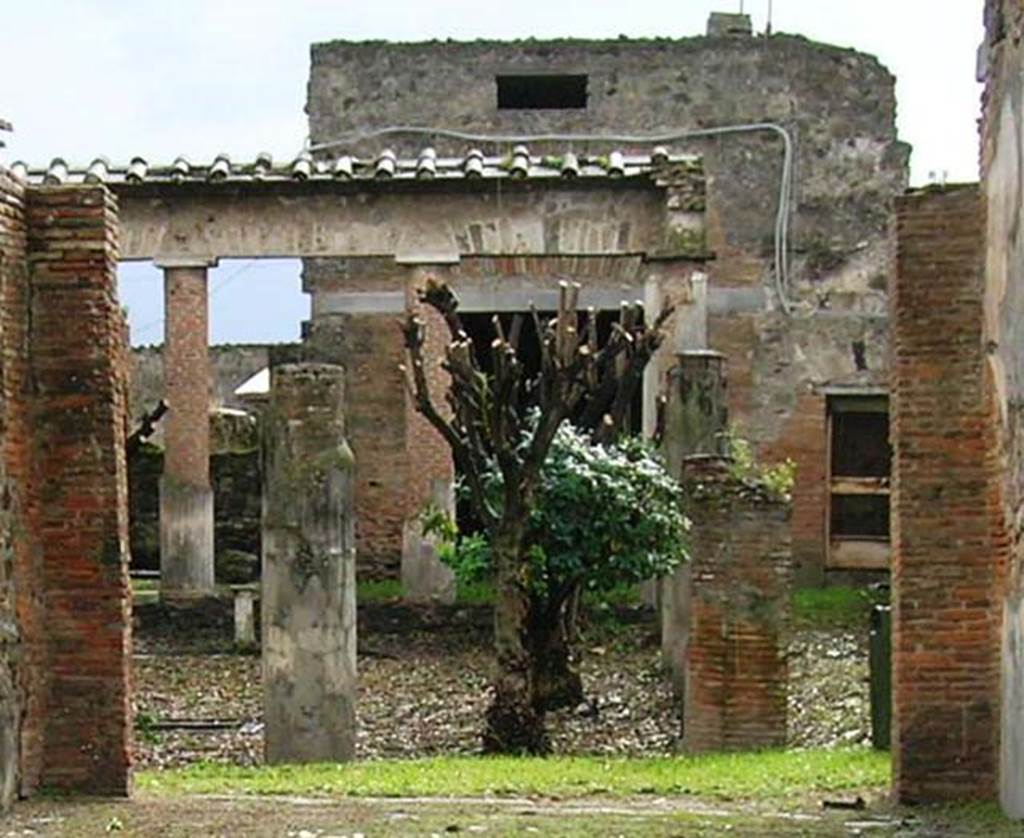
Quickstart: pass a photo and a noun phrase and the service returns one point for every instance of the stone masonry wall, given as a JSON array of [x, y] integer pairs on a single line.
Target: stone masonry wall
[[839, 105], [950, 537], [1002, 150], [78, 414], [741, 570], [839, 108]]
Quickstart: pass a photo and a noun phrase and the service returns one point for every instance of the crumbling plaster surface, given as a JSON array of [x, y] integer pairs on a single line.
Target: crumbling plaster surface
[[1002, 156], [1012, 756], [429, 221], [786, 357], [839, 106]]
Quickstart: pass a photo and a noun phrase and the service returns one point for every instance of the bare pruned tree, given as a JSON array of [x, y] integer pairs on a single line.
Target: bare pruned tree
[[488, 423]]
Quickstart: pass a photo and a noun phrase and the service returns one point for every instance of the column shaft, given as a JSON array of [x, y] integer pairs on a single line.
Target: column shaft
[[309, 599], [186, 500]]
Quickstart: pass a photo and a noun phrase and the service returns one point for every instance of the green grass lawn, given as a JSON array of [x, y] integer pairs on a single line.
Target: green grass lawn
[[754, 776], [836, 607], [390, 590]]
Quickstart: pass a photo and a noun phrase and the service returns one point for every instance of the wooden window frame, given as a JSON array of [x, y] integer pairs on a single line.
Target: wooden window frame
[[854, 553]]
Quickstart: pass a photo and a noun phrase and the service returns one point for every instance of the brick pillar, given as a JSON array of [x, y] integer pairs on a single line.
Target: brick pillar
[[737, 675], [78, 415], [950, 545], [186, 500], [309, 596]]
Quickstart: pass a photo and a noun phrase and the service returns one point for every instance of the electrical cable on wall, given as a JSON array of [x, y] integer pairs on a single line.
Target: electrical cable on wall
[[785, 186]]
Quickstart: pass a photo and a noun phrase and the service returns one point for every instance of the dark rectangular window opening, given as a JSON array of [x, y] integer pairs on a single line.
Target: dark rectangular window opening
[[860, 516], [859, 464], [860, 445], [539, 92]]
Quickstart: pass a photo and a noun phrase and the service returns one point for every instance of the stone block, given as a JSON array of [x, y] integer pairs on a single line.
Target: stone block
[[425, 578], [309, 596]]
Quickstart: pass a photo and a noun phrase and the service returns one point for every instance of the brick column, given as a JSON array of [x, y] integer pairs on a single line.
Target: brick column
[[737, 677], [950, 546], [78, 413], [309, 595], [186, 500]]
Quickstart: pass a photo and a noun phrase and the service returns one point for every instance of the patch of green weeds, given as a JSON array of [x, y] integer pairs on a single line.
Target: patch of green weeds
[[760, 775], [839, 607], [378, 590], [145, 728], [474, 593]]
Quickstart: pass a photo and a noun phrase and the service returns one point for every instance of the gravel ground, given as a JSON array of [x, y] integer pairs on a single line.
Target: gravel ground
[[424, 685]]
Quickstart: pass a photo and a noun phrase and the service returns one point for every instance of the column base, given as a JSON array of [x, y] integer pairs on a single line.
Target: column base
[[186, 540], [425, 578]]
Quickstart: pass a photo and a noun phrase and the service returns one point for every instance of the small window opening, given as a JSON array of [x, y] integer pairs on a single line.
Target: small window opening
[[859, 465], [536, 92], [860, 445], [860, 516]]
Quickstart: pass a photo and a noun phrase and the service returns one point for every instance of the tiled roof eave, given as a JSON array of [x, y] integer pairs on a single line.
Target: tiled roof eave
[[386, 168]]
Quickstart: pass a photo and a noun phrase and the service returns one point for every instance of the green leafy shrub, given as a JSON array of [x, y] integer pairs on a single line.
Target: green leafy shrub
[[604, 516], [775, 478]]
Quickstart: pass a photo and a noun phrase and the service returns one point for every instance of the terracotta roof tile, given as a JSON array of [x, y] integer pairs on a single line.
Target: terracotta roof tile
[[386, 165]]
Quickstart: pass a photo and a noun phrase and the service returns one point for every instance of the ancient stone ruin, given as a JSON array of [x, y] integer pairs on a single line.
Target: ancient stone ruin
[[765, 218]]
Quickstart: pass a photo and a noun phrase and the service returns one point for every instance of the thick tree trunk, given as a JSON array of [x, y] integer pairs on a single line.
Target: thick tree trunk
[[556, 682], [514, 725]]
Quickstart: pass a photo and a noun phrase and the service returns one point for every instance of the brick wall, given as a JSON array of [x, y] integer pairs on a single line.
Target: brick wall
[[950, 541], [741, 571], [369, 346], [804, 440], [78, 415]]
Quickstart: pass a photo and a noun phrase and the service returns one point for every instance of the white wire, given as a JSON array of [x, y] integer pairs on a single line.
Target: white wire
[[781, 216]]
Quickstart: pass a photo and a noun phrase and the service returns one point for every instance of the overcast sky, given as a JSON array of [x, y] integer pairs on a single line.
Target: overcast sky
[[80, 78]]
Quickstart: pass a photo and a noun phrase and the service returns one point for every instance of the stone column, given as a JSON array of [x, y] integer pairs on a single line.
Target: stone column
[[425, 578], [695, 418], [696, 411], [309, 596], [737, 676], [186, 499], [688, 331]]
